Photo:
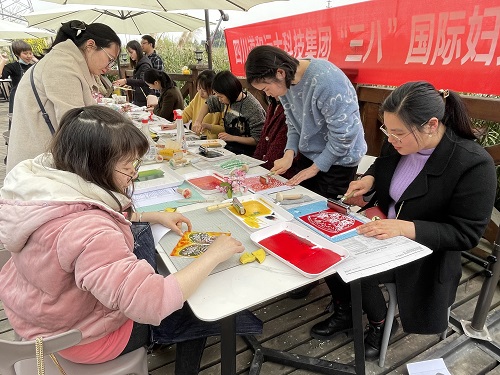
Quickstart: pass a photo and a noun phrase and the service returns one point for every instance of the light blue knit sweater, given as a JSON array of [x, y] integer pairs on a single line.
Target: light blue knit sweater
[[323, 119]]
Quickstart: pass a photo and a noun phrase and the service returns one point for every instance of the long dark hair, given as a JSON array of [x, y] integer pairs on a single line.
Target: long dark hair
[[263, 63], [136, 46], [91, 140], [226, 83], [79, 32], [151, 75], [417, 102]]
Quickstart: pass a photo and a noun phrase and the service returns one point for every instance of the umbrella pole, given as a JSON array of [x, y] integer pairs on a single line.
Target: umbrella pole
[[208, 42]]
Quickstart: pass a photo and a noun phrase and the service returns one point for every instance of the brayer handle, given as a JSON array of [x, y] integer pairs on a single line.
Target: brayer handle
[[280, 196], [219, 206]]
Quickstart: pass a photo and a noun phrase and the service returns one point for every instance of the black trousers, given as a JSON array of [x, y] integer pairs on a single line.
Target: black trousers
[[329, 184]]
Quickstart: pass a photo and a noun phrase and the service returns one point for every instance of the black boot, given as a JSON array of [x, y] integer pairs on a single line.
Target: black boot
[[303, 291], [340, 321], [373, 339]]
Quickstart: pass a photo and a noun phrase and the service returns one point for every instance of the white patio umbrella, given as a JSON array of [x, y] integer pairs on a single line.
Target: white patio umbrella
[[166, 5], [122, 20], [12, 30]]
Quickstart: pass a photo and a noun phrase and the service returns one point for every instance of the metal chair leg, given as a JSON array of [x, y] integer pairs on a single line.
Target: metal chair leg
[[389, 318]]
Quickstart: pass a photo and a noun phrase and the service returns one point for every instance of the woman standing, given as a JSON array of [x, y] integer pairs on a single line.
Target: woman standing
[[63, 79], [170, 95], [437, 187], [243, 114], [322, 115], [140, 63]]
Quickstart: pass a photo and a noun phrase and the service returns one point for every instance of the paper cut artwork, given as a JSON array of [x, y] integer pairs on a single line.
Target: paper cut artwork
[[331, 223], [193, 244], [255, 185], [206, 182]]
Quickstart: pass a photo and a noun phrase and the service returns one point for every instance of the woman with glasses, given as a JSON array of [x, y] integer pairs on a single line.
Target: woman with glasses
[[212, 124], [437, 187], [170, 95], [140, 63], [76, 264], [63, 79]]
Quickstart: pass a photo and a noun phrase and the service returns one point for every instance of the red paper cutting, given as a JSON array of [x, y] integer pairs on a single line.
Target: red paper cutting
[[254, 184], [331, 222]]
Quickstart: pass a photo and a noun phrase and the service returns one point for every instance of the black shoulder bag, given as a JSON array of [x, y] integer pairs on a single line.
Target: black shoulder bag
[[42, 108]]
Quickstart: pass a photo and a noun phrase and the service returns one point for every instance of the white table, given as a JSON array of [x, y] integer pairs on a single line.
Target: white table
[[225, 293]]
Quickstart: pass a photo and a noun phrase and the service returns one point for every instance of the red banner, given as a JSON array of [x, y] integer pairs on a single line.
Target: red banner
[[451, 43]]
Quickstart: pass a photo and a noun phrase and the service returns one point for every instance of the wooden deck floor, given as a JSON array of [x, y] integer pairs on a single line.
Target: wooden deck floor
[[287, 323]]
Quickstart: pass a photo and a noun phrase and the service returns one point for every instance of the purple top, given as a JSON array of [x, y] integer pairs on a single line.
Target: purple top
[[408, 168]]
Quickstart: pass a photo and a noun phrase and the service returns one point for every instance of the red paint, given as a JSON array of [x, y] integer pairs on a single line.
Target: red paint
[[300, 252], [206, 182]]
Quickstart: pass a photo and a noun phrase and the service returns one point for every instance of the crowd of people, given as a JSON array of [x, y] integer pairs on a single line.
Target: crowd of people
[[71, 165]]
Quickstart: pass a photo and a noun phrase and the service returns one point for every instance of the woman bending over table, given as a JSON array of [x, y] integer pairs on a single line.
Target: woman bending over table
[[64, 217], [170, 95], [437, 186], [243, 114], [212, 123], [63, 79]]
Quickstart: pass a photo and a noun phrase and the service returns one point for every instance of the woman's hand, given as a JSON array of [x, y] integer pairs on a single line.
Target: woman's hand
[[197, 127], [387, 228], [283, 164], [120, 82], [171, 220], [226, 137], [303, 175], [224, 247], [360, 187]]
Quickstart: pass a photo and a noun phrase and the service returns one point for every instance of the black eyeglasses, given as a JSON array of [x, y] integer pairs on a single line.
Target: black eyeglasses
[[136, 164]]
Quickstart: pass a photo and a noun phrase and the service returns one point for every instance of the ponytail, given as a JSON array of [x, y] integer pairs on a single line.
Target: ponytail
[[417, 102], [79, 32]]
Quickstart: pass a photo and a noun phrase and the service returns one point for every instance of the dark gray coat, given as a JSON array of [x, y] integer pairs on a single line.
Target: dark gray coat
[[450, 203]]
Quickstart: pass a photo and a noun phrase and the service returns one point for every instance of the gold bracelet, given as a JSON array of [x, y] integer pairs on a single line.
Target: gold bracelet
[[140, 217]]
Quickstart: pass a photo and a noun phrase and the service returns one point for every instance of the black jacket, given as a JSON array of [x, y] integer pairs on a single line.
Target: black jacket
[[137, 81], [450, 203]]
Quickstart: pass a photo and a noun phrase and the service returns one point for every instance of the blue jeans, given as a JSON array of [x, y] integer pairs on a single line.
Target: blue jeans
[[181, 327]]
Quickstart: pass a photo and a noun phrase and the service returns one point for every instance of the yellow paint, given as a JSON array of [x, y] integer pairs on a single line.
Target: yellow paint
[[253, 209]]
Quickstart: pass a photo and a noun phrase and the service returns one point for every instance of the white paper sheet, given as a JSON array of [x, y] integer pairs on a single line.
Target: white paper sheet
[[369, 256], [431, 367], [158, 232]]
